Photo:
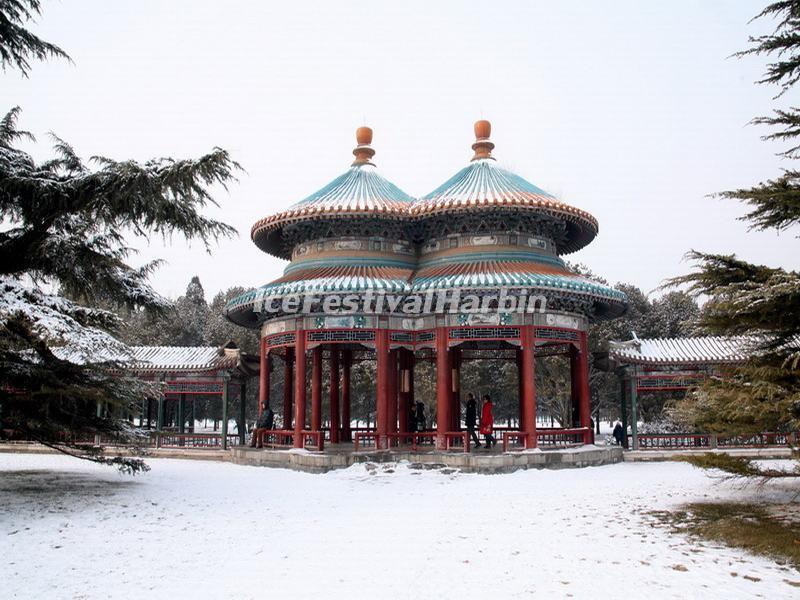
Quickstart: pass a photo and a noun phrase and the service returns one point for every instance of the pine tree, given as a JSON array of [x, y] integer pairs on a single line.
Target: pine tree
[[65, 226], [755, 300]]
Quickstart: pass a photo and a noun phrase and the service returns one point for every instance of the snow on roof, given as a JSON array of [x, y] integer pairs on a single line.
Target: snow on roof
[[182, 358], [665, 351]]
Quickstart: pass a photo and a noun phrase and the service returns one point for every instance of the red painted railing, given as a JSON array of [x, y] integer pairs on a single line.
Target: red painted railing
[[575, 436], [564, 438], [359, 437], [454, 440], [284, 438]]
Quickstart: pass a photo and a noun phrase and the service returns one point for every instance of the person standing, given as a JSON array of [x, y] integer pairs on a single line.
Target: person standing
[[471, 418], [487, 422], [420, 417], [617, 433], [265, 422]]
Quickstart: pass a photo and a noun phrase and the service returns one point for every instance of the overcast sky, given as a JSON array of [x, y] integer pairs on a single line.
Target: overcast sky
[[629, 110]]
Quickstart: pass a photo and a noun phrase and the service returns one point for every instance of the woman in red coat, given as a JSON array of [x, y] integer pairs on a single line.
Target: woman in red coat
[[487, 422]]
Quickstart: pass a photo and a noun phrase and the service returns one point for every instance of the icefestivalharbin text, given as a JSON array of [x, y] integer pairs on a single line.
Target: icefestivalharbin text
[[380, 302]]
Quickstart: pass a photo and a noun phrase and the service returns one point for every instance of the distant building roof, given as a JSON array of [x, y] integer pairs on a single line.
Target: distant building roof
[[682, 351], [183, 358]]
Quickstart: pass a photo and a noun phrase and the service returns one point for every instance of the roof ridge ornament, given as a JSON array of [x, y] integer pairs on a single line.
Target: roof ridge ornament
[[483, 146], [364, 151]]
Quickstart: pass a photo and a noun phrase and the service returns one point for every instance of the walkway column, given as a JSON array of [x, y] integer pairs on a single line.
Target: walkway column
[[333, 398], [224, 425], [264, 380], [299, 387], [347, 360], [182, 415], [316, 388], [633, 382], [288, 385], [528, 386], [443, 387], [242, 425], [584, 409], [382, 385]]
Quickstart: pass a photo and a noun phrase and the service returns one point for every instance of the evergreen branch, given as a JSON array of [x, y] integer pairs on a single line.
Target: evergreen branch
[[17, 44], [775, 204]]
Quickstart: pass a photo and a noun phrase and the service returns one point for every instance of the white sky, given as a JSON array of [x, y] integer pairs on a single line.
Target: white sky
[[629, 110]]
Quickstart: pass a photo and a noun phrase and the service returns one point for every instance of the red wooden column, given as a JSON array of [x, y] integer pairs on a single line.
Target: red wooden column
[[391, 425], [288, 384], [347, 360], [444, 394], [455, 381], [528, 386], [574, 378], [518, 358], [299, 387], [403, 407], [333, 398], [316, 388], [584, 410], [382, 385], [263, 376]]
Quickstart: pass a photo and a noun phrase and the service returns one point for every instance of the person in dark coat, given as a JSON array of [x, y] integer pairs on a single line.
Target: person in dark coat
[[420, 416], [412, 418], [471, 419], [266, 420], [487, 422], [617, 433]]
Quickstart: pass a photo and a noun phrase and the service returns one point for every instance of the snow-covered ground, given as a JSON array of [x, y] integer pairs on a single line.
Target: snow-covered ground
[[192, 529]]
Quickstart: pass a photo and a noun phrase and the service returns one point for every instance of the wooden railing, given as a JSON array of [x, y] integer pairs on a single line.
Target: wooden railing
[[689, 441], [284, 438], [454, 440], [207, 441], [563, 438]]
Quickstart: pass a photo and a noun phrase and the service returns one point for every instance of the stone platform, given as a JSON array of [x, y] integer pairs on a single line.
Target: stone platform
[[478, 461]]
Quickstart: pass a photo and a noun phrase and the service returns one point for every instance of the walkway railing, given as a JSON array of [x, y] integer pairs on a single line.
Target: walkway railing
[[688, 441], [454, 440], [212, 441], [284, 438], [563, 438]]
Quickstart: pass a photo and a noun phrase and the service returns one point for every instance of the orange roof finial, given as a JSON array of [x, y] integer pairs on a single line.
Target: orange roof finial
[[482, 146], [363, 152]]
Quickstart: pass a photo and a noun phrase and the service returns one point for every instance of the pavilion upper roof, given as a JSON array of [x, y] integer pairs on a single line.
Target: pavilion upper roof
[[483, 185], [361, 190], [682, 351]]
